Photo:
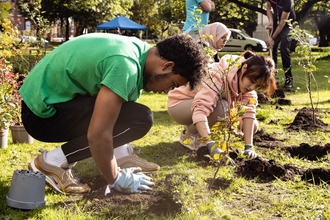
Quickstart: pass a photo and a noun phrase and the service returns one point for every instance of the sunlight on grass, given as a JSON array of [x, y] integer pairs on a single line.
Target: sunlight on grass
[[186, 179]]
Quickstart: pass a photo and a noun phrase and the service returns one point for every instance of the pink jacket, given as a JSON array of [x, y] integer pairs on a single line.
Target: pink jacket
[[205, 99]]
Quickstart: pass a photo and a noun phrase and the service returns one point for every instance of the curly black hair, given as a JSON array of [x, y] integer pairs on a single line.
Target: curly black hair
[[189, 57]]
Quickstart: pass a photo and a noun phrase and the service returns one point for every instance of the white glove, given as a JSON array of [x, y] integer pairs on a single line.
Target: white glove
[[249, 152], [131, 180]]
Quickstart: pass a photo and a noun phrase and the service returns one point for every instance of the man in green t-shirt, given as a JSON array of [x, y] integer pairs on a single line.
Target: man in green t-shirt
[[83, 93]]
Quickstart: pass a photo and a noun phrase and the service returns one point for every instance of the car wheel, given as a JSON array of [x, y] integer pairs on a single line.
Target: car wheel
[[248, 47]]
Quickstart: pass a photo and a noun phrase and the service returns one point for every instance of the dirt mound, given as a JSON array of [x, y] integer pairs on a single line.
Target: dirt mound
[[265, 140], [316, 176], [304, 121], [265, 171], [309, 152]]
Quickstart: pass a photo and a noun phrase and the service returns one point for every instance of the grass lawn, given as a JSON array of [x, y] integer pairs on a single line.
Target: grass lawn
[[182, 183]]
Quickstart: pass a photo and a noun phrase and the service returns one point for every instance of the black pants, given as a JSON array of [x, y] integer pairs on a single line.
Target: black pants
[[70, 124], [285, 46]]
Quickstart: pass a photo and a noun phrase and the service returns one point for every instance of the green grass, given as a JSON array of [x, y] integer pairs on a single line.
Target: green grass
[[241, 199]]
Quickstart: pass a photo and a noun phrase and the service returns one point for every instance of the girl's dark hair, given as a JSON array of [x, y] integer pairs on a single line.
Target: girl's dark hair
[[261, 67], [189, 57]]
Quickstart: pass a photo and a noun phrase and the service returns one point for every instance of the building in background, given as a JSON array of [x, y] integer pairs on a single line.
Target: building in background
[[261, 32], [25, 26]]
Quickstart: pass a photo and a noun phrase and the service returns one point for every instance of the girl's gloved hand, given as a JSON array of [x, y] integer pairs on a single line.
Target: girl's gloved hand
[[249, 152]]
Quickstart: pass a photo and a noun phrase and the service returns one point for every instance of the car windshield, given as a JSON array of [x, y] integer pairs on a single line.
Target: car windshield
[[244, 34]]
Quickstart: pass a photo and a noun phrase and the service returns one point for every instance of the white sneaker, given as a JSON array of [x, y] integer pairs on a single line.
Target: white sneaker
[[190, 141], [130, 149]]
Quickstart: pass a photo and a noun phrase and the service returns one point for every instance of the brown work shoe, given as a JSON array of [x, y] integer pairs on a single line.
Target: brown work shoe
[[59, 179], [135, 161]]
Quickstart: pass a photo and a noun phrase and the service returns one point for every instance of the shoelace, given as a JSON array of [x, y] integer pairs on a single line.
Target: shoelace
[[72, 175]]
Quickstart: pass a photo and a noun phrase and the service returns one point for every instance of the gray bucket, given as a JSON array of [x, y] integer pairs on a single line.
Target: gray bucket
[[27, 190]]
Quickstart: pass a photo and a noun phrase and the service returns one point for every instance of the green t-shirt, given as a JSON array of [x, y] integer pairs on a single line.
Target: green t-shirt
[[81, 66]]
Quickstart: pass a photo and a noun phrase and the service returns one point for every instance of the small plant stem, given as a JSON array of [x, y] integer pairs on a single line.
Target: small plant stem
[[214, 176]]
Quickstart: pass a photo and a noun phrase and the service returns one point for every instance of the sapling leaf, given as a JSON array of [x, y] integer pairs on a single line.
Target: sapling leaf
[[252, 101], [187, 141], [223, 146]]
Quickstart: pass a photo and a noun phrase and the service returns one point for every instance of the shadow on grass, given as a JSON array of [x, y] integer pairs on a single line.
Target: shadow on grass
[[163, 153]]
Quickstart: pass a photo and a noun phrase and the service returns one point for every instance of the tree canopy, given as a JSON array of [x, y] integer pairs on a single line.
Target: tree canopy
[[160, 15]]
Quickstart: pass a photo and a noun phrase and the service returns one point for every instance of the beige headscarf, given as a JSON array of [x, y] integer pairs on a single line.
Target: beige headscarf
[[217, 30]]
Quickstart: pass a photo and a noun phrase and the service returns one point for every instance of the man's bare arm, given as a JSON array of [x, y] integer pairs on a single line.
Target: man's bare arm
[[207, 5], [106, 112], [280, 26], [269, 16]]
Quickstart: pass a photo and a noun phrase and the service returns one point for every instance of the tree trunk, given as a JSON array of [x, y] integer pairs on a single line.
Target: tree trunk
[[67, 29], [323, 25]]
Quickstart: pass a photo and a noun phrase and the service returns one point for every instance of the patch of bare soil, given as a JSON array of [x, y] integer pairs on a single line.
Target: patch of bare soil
[[156, 202], [304, 121], [265, 171], [218, 183], [316, 176], [279, 94], [265, 140], [309, 152]]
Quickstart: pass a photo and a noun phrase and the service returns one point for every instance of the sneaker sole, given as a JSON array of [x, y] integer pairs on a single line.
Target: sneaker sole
[[49, 181]]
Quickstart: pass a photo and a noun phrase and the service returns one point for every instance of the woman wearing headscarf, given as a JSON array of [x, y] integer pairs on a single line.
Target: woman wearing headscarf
[[215, 36]]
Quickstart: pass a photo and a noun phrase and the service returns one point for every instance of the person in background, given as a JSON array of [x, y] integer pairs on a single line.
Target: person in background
[[191, 26], [118, 31], [215, 36], [199, 110], [282, 10], [86, 98]]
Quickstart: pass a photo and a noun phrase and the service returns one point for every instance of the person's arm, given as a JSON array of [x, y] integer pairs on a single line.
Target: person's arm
[[280, 26], [207, 5], [269, 16], [106, 112], [203, 128], [205, 102], [248, 130]]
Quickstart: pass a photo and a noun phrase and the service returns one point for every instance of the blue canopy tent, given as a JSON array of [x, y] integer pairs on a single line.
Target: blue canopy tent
[[123, 23]]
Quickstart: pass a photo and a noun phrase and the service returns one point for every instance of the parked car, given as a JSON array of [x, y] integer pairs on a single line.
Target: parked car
[[240, 41]]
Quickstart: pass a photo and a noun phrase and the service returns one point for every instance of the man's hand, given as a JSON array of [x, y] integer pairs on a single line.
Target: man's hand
[[249, 152], [271, 43], [269, 26], [207, 5], [131, 180]]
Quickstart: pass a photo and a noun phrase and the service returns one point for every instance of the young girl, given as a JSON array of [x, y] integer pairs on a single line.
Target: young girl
[[198, 110]]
